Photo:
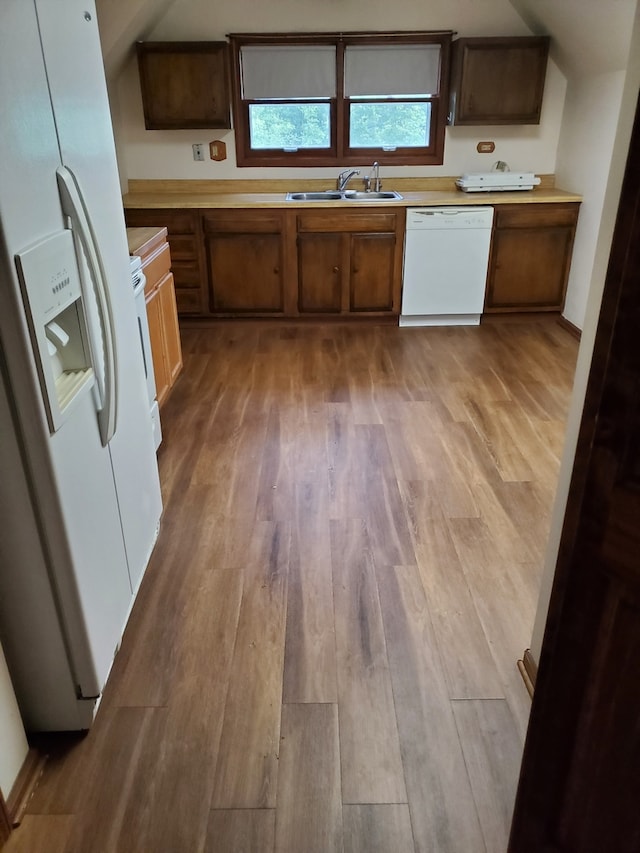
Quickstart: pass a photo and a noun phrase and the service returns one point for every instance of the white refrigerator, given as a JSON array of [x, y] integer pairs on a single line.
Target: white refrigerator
[[80, 500]]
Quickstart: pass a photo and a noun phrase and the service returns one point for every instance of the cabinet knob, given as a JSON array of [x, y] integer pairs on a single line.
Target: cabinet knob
[[336, 269], [276, 270]]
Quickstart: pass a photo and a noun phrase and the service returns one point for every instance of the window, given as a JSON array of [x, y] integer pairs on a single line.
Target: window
[[340, 99]]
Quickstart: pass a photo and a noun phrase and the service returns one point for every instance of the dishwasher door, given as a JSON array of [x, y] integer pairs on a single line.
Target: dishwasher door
[[445, 265]]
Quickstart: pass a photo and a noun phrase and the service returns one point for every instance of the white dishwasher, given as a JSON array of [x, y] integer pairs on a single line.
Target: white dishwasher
[[445, 265]]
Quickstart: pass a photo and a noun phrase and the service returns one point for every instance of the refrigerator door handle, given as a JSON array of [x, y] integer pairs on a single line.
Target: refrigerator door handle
[[73, 206]]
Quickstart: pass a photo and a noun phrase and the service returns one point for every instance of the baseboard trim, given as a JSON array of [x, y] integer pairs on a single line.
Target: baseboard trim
[[569, 326], [24, 785], [528, 670]]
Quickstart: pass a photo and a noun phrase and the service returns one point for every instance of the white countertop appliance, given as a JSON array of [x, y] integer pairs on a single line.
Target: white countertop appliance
[[445, 265], [496, 181], [80, 500]]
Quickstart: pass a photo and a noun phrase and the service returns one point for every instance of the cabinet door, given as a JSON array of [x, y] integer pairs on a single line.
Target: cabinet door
[[184, 84], [372, 269], [245, 273], [170, 328], [529, 268], [498, 80], [320, 273], [156, 335]]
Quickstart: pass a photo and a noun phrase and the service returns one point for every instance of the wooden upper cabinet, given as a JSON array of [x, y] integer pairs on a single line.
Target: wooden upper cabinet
[[498, 80], [184, 84]]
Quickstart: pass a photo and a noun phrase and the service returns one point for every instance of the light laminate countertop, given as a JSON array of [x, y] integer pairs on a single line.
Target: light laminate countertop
[[194, 194], [434, 198]]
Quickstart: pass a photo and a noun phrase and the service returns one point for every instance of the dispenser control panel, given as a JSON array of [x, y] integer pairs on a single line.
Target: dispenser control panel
[[49, 272], [53, 298]]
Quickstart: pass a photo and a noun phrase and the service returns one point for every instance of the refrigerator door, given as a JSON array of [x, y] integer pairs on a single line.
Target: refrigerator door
[[72, 493], [78, 91], [87, 511]]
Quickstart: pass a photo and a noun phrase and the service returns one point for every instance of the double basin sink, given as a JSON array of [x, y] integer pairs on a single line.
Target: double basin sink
[[345, 195]]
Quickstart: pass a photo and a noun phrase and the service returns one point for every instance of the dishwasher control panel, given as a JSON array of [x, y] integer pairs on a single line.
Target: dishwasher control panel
[[449, 217]]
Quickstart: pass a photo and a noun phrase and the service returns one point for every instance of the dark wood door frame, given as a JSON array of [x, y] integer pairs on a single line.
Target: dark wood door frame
[[5, 821], [580, 776]]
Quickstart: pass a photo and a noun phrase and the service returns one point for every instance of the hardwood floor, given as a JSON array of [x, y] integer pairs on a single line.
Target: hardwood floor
[[322, 656]]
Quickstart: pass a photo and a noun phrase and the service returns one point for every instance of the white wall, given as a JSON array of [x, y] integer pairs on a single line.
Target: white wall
[[603, 236], [583, 164], [13, 742], [167, 154]]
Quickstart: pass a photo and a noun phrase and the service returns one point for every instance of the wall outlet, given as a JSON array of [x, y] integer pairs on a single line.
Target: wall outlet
[[198, 151]]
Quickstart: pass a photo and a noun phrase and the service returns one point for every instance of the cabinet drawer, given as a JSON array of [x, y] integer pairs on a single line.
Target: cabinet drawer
[[188, 300], [176, 221], [238, 222], [186, 273], [340, 220], [535, 215], [156, 266], [184, 247]]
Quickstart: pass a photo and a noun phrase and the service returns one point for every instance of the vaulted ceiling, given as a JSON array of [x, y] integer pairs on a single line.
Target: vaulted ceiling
[[123, 23], [588, 36]]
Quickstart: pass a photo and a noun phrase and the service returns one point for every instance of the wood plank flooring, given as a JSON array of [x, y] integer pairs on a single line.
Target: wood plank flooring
[[322, 656]]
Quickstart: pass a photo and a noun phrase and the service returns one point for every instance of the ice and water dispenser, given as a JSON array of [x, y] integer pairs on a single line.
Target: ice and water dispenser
[[56, 314]]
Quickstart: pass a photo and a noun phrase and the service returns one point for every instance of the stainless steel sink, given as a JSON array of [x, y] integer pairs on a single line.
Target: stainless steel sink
[[372, 196], [327, 195], [344, 195]]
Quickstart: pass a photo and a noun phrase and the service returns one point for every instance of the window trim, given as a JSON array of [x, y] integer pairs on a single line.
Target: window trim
[[339, 153]]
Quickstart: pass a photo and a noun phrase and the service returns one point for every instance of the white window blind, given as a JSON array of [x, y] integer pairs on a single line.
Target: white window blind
[[288, 71], [375, 69]]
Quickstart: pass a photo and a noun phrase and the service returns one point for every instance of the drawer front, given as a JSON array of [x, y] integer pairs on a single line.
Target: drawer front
[[186, 273], [156, 266], [231, 222], [184, 247], [175, 221], [188, 300], [341, 220], [535, 215]]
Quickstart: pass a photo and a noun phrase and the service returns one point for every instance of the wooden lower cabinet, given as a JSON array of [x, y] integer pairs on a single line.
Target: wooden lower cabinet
[[165, 336], [268, 262], [245, 262], [160, 297], [371, 275], [530, 257], [187, 256], [349, 263], [320, 273]]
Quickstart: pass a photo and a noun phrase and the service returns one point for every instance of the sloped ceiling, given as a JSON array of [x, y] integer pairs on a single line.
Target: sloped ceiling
[[588, 36], [122, 23]]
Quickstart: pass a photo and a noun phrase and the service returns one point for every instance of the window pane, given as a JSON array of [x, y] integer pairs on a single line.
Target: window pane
[[293, 126], [389, 125]]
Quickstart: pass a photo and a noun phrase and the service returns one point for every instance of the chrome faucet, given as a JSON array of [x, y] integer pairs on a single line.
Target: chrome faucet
[[373, 177], [345, 177]]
